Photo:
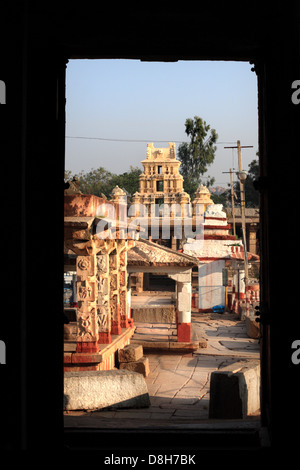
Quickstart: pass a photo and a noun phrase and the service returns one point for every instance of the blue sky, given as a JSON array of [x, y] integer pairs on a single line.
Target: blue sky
[[149, 102]]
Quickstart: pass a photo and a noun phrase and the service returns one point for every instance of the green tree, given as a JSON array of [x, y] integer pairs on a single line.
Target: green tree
[[68, 175], [101, 182], [198, 154], [97, 181], [128, 180], [221, 198]]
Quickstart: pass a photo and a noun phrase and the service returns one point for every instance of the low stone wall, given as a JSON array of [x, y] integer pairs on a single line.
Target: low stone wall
[[93, 390], [154, 314], [155, 322], [235, 390]]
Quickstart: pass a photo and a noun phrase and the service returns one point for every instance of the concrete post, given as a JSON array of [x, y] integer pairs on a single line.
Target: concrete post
[[184, 296]]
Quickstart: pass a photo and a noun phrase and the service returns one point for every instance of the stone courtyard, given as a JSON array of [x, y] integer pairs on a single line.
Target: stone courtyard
[[179, 383], [158, 300]]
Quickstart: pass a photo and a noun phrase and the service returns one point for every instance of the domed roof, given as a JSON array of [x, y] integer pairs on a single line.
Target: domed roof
[[203, 189], [118, 191]]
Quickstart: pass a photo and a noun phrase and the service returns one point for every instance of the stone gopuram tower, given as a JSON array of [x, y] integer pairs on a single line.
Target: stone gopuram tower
[[161, 183]]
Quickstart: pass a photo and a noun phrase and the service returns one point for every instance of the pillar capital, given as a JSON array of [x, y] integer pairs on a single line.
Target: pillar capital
[[182, 277]]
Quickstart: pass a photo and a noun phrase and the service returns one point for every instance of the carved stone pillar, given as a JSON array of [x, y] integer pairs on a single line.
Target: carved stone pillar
[[123, 289], [114, 293], [103, 299], [87, 324]]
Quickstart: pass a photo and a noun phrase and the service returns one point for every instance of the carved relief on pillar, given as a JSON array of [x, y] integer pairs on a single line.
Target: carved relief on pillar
[[123, 309], [103, 301], [114, 307], [122, 276], [114, 267], [86, 267], [103, 318], [112, 262], [123, 301], [123, 258], [113, 282], [102, 263], [115, 315], [103, 290], [87, 291], [87, 329]]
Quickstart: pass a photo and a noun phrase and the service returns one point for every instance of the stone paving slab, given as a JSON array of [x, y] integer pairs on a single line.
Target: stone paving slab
[[179, 383], [213, 351]]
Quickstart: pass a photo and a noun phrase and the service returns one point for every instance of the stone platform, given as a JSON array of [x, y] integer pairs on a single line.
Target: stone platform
[[179, 382], [104, 359]]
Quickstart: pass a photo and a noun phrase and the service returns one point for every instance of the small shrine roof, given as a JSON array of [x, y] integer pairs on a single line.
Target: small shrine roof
[[240, 256], [147, 253]]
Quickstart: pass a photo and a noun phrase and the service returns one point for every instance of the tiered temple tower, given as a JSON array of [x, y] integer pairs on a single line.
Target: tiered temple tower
[[161, 183]]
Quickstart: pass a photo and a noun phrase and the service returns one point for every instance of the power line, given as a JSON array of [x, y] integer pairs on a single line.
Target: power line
[[119, 140], [134, 140]]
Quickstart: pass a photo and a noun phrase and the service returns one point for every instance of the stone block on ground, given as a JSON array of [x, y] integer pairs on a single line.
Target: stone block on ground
[[92, 390], [141, 366], [131, 353], [235, 390], [202, 343], [252, 327]]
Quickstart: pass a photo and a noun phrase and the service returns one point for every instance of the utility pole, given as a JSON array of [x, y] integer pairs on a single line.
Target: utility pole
[[243, 211], [232, 199], [242, 176], [232, 202]]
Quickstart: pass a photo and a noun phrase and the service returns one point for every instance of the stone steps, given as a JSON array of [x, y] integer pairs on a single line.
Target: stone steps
[[158, 331], [160, 336], [155, 332]]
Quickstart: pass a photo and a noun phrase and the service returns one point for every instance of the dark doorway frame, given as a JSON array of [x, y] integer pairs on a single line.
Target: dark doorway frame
[[41, 39]]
